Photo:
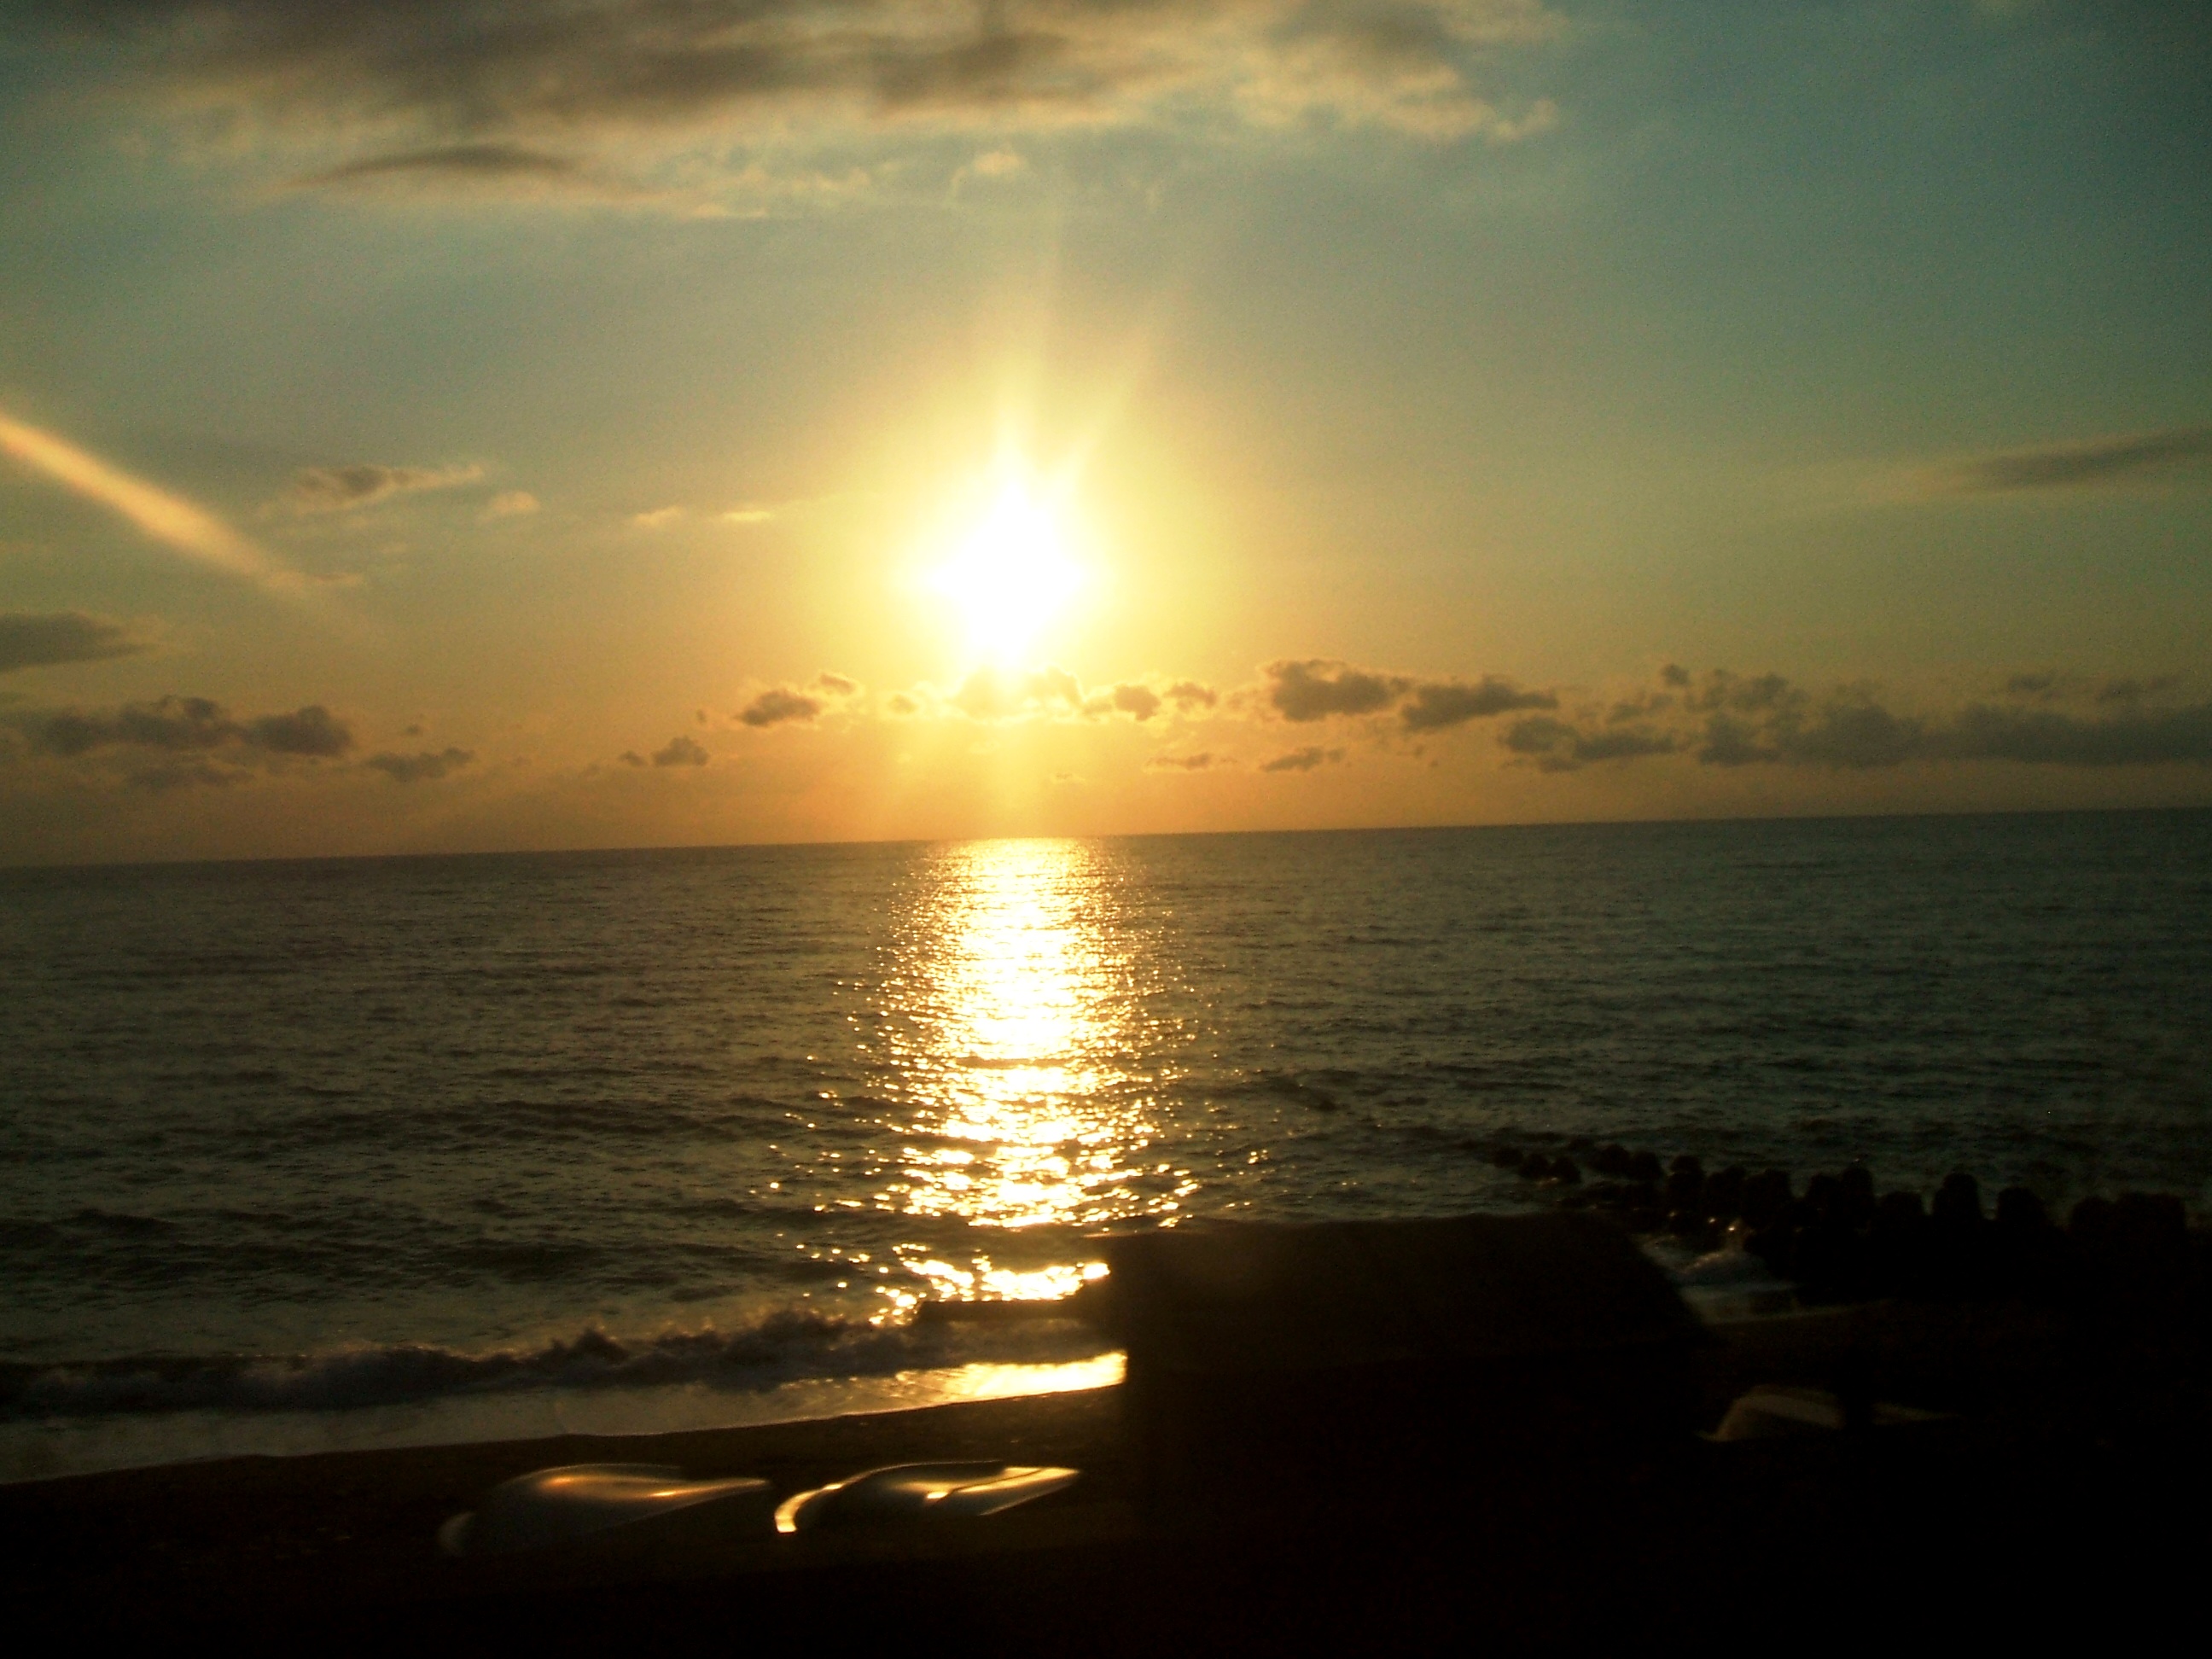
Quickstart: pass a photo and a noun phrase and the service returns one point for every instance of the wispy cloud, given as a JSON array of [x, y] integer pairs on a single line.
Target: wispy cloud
[[365, 483], [1303, 760], [32, 639], [510, 504], [2079, 464], [499, 93], [182, 526], [430, 765]]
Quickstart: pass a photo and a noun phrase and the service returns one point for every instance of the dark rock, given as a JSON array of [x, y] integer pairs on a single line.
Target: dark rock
[[1897, 1246], [1564, 1171], [1766, 1195], [1824, 1197], [1645, 1166], [1725, 1193], [1534, 1167], [1855, 1195], [1507, 1158], [1958, 1201], [1686, 1183], [1610, 1160]]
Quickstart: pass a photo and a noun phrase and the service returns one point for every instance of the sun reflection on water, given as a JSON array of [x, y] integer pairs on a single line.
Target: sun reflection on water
[[1016, 1042]]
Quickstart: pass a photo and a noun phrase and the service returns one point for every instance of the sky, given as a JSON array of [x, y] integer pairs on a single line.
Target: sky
[[458, 425]]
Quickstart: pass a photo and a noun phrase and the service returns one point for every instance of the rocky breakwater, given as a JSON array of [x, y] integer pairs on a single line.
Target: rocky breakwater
[[1840, 1239]]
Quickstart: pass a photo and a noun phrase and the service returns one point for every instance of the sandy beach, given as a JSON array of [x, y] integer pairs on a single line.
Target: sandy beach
[[2061, 1491]]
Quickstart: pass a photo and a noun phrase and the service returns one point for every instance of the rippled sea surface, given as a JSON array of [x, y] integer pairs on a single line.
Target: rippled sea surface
[[411, 1147]]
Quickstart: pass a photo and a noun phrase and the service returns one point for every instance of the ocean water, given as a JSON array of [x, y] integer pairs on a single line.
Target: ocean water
[[356, 1152]]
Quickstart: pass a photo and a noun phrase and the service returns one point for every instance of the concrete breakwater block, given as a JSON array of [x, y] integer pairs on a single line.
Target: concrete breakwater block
[[1301, 1367]]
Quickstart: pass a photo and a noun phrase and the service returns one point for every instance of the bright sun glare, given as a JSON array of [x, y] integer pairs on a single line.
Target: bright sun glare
[[1012, 574]]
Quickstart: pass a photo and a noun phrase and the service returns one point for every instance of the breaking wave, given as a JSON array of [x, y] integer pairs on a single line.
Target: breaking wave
[[784, 1348]]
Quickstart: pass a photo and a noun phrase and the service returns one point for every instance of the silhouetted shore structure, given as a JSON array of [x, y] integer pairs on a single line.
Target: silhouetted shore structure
[[1340, 1438], [1838, 1242], [1294, 1369]]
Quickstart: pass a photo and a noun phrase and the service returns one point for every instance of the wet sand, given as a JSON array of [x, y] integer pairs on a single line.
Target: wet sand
[[2053, 1499]]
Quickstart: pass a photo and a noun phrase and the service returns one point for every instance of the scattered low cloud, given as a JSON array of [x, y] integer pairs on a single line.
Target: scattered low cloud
[[1141, 702], [659, 518], [309, 731], [1321, 688], [36, 639], [418, 767], [680, 751], [316, 489], [1201, 762], [1190, 695], [1440, 704], [182, 526], [177, 742], [1734, 720], [2079, 464], [1556, 746], [997, 694], [1303, 760], [1318, 687], [781, 705]]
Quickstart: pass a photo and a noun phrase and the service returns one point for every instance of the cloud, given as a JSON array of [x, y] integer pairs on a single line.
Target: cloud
[[1733, 721], [2076, 465], [1557, 746], [181, 726], [680, 751], [1140, 702], [2047, 738], [631, 757], [472, 94], [34, 638], [659, 518], [1188, 694], [510, 504], [1303, 760], [413, 768], [344, 489], [1443, 703], [309, 731], [183, 526], [1318, 687], [778, 705], [1198, 762], [468, 162], [995, 694]]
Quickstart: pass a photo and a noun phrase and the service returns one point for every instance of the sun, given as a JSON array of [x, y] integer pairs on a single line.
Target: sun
[[1012, 572]]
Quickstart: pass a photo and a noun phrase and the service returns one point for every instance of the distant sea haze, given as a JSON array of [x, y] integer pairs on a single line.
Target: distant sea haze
[[326, 1138]]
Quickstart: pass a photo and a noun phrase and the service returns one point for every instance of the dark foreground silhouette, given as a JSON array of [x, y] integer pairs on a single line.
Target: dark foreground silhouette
[[1369, 1503]]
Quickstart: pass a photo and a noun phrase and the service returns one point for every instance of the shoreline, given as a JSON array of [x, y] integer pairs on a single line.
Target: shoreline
[[279, 1544]]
